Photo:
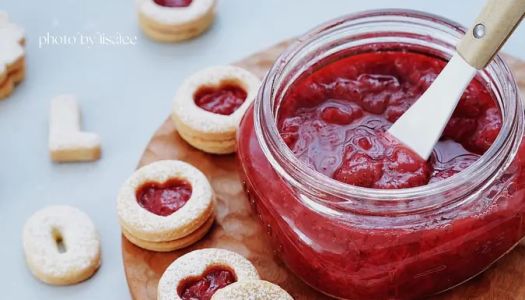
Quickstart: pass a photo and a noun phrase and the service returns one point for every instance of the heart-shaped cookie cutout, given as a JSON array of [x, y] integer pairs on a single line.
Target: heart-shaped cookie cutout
[[224, 99], [203, 287], [173, 3], [163, 199]]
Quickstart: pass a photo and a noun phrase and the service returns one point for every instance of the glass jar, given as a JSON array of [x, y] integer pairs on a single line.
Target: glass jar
[[359, 243]]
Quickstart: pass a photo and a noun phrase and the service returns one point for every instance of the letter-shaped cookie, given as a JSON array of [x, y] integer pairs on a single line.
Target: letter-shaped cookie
[[61, 245], [66, 142]]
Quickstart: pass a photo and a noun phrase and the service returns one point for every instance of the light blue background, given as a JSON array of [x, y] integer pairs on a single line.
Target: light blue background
[[125, 94]]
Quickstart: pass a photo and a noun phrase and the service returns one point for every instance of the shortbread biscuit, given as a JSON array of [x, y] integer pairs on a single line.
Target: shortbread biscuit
[[6, 83], [66, 142], [11, 55], [204, 129], [193, 266], [12, 61], [61, 245], [169, 246], [215, 147], [253, 290], [173, 23], [148, 226], [166, 37], [18, 73]]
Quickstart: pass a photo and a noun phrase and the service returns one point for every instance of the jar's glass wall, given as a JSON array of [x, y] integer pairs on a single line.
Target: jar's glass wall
[[370, 244]]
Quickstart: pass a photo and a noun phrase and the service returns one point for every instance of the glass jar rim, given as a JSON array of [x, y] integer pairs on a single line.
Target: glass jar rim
[[298, 173]]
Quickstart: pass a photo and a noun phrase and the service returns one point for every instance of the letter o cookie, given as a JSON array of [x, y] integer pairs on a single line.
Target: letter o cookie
[[61, 245], [196, 264], [208, 107], [175, 20]]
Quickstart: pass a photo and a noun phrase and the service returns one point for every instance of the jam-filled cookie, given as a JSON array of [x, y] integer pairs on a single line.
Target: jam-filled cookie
[[165, 206], [175, 20], [199, 274], [210, 104], [61, 245], [12, 55], [253, 290]]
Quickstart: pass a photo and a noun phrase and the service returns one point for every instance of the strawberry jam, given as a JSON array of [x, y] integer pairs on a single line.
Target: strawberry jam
[[334, 117], [224, 100], [204, 287], [335, 120], [174, 3], [166, 198]]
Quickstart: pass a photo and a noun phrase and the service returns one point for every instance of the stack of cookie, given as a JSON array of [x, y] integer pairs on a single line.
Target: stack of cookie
[[12, 62], [175, 20], [210, 104], [226, 275], [165, 206]]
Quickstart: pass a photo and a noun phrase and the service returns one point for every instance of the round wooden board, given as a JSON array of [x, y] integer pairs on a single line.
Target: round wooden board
[[236, 227]]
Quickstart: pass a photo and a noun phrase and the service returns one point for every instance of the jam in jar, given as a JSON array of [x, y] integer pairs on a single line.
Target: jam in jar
[[352, 212]]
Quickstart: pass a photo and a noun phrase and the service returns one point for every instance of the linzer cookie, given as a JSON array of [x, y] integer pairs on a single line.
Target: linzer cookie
[[210, 105], [253, 290], [199, 274], [61, 245], [175, 20], [165, 206], [12, 55]]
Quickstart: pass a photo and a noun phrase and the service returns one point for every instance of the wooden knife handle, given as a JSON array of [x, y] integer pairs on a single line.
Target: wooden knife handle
[[491, 30]]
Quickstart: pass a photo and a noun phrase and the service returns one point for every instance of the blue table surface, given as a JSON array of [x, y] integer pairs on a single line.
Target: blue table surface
[[125, 92]]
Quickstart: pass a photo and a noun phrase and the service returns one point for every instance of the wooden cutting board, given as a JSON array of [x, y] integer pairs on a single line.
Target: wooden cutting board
[[237, 229]]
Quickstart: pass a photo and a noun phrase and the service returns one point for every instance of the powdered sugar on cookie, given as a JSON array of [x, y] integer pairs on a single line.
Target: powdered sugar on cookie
[[195, 263], [162, 21], [253, 290], [148, 226], [66, 141], [206, 130], [9, 31], [68, 226]]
